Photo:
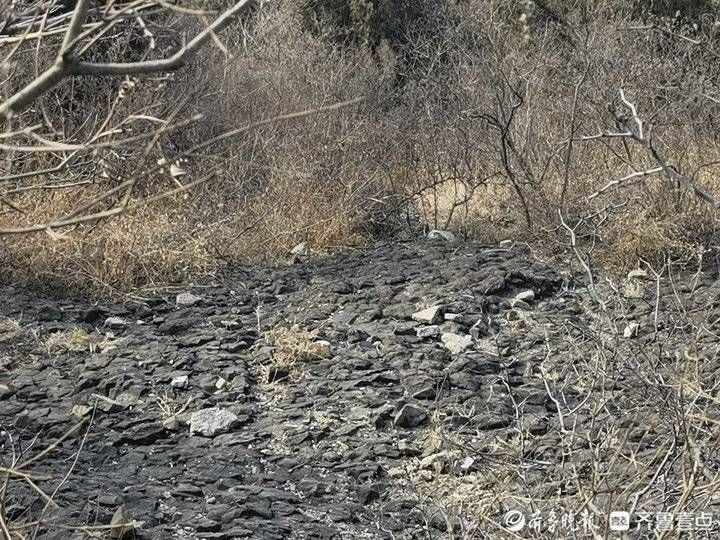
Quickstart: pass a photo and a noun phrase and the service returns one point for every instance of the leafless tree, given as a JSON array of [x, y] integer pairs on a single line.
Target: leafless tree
[[84, 27], [26, 145]]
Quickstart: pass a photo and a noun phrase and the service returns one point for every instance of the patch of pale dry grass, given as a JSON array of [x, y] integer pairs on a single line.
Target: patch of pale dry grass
[[290, 211], [173, 241], [482, 213], [295, 344], [142, 247], [10, 330], [75, 340], [649, 218]]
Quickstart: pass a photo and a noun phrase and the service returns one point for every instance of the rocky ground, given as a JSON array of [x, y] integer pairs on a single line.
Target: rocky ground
[[416, 390]]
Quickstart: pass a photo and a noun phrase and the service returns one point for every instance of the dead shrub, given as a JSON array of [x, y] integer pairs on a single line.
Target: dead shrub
[[477, 121], [10, 330]]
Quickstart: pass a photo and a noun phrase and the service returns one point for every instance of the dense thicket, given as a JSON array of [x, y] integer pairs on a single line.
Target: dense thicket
[[481, 116]]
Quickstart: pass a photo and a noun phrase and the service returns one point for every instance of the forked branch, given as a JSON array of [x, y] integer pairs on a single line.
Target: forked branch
[[67, 65]]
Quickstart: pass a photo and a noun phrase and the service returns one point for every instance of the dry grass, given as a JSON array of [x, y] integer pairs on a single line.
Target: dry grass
[[294, 344], [422, 150], [10, 330], [485, 213], [142, 247], [291, 211], [75, 340], [174, 241]]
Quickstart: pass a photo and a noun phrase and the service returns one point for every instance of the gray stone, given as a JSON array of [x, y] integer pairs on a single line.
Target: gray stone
[[115, 323], [212, 421], [525, 296], [407, 449], [425, 392], [49, 314]]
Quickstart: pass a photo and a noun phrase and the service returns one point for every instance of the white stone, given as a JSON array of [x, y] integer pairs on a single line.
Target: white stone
[[429, 315], [179, 382], [212, 421], [437, 234], [187, 299], [631, 330], [525, 296], [428, 331], [456, 343], [116, 322], [637, 274], [322, 348]]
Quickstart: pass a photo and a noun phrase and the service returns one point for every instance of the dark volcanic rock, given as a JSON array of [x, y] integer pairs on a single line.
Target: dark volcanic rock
[[204, 428], [410, 416]]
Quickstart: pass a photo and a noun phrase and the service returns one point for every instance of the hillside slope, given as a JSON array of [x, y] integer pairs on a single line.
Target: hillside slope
[[316, 402]]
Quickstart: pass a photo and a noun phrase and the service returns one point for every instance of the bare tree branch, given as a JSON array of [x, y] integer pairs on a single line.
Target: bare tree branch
[[636, 131], [65, 65]]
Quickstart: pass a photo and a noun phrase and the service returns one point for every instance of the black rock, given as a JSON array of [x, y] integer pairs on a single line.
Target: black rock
[[91, 315], [49, 314], [410, 416]]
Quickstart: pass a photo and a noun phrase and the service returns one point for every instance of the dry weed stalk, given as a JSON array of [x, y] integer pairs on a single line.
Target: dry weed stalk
[[19, 470]]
